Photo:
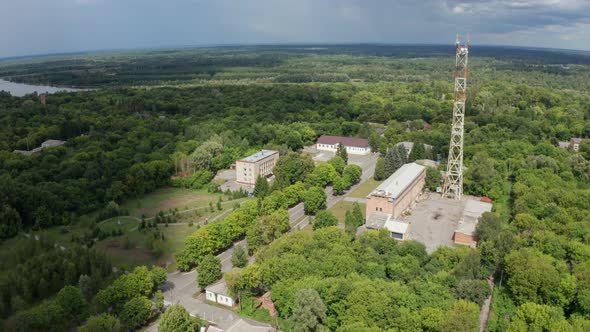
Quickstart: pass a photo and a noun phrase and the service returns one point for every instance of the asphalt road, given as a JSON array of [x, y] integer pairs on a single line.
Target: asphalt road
[[181, 286]]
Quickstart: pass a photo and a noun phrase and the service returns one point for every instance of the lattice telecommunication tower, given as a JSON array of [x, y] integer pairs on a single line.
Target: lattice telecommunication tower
[[453, 185]]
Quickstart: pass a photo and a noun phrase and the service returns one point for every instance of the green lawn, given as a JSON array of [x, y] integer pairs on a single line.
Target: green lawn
[[170, 198], [339, 209], [130, 249], [365, 188]]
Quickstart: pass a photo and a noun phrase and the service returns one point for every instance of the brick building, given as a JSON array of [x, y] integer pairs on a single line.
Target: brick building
[[465, 232], [398, 192]]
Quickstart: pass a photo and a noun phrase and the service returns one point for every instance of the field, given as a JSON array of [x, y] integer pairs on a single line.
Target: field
[[131, 247], [339, 209], [169, 199], [365, 188]]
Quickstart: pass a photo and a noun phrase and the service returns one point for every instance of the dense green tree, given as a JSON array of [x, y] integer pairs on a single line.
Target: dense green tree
[[488, 227], [433, 178], [380, 170], [394, 158], [314, 200], [418, 152], [72, 301], [309, 311], [342, 153], [353, 173], [340, 184], [266, 229], [239, 258], [209, 271], [322, 175], [10, 222], [338, 163], [324, 218], [536, 317], [464, 316], [292, 168], [473, 290], [136, 312], [101, 323], [176, 319], [261, 188]]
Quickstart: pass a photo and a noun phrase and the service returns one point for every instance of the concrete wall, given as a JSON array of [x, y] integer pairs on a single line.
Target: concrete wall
[[218, 298], [349, 149], [247, 172], [402, 203]]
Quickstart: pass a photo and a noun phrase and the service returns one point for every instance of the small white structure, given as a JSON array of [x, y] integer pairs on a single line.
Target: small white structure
[[218, 293], [396, 228], [353, 145]]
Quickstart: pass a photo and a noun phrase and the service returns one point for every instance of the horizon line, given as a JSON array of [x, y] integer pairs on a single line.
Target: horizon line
[[123, 49]]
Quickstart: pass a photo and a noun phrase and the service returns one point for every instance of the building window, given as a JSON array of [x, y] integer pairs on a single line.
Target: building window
[[398, 236]]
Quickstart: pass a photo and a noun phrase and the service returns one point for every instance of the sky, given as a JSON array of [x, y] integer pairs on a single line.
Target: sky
[[57, 26]]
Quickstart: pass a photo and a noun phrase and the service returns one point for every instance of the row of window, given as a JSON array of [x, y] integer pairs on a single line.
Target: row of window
[[348, 148]]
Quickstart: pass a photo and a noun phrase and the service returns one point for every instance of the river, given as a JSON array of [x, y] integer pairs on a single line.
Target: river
[[21, 89]]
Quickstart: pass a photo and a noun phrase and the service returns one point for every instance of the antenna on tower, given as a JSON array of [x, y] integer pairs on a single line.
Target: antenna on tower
[[453, 185]]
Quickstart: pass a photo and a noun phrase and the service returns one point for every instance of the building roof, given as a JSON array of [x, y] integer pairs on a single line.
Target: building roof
[[396, 226], [346, 141], [377, 220], [471, 213], [259, 156], [576, 140], [52, 142], [399, 181], [218, 288]]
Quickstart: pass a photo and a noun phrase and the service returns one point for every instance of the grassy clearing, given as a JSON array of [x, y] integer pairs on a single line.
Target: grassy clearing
[[365, 188], [339, 209], [131, 248], [170, 198]]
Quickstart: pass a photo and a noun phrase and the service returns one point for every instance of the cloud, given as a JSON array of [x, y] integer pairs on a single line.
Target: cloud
[[41, 26]]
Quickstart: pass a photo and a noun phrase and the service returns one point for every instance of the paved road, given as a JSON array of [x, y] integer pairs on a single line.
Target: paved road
[[181, 286]]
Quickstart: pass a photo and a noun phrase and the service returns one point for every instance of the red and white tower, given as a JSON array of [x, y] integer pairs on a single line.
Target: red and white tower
[[453, 185]]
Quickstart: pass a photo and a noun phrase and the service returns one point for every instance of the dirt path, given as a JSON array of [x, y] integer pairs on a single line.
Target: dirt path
[[485, 309]]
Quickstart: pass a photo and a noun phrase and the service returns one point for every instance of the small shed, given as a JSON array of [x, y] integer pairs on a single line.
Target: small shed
[[219, 293]]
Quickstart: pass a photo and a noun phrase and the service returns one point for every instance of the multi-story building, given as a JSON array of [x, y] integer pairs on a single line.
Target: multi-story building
[[353, 145], [397, 193], [262, 163]]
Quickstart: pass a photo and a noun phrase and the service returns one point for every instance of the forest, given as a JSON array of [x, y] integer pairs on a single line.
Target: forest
[[153, 110]]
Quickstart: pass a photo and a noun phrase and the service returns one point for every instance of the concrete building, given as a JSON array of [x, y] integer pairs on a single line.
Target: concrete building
[[358, 146], [52, 143], [575, 144], [397, 229], [241, 325], [47, 144], [465, 232], [398, 192], [218, 293], [261, 163]]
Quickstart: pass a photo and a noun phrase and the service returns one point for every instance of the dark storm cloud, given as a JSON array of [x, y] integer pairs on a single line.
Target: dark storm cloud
[[42, 26]]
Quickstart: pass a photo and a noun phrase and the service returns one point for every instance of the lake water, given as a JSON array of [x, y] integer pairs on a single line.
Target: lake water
[[21, 89]]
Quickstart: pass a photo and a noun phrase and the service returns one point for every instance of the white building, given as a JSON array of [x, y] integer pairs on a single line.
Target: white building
[[261, 163], [397, 229], [353, 145], [219, 293]]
